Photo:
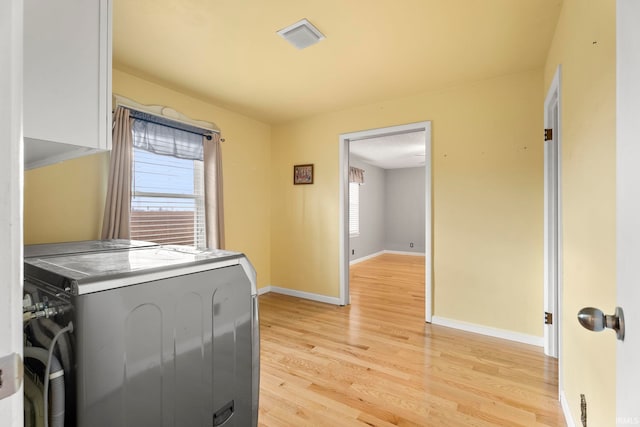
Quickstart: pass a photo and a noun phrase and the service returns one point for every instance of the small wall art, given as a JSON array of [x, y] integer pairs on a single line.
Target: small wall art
[[303, 174]]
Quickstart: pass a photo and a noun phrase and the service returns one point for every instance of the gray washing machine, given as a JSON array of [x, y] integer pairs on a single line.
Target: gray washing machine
[[162, 335]]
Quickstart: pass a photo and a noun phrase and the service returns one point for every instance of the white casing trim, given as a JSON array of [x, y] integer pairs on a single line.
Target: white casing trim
[[566, 410], [552, 282], [299, 294], [627, 210], [11, 213], [488, 331]]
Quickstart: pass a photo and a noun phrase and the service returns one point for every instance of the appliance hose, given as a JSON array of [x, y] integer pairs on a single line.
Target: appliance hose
[[68, 328], [65, 352], [57, 384]]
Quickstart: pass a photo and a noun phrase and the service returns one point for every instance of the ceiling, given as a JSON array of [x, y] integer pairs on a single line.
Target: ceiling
[[406, 150], [227, 51]]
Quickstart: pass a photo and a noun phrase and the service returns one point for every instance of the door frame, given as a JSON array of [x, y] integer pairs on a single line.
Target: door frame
[[11, 216], [553, 217], [627, 209], [344, 206]]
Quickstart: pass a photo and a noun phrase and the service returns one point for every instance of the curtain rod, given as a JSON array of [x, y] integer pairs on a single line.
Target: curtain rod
[[170, 123], [206, 134], [152, 111]]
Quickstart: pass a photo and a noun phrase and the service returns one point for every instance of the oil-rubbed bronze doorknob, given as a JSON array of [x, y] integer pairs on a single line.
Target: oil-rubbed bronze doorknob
[[594, 319]]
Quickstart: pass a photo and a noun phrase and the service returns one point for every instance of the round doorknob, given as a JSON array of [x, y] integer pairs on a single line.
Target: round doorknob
[[594, 319]]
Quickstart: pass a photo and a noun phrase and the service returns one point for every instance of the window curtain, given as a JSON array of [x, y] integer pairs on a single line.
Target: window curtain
[[115, 224], [356, 175], [166, 141], [213, 194]]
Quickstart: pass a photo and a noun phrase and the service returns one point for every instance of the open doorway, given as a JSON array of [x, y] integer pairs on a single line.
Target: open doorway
[[383, 134], [552, 219], [553, 225]]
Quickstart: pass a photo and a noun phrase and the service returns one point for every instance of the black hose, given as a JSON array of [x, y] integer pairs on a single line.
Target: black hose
[[38, 335]]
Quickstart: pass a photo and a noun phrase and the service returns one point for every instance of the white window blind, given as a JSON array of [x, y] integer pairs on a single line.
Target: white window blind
[[354, 208], [167, 203]]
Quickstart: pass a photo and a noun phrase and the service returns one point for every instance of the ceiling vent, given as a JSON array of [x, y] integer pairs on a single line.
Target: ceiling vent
[[301, 34]]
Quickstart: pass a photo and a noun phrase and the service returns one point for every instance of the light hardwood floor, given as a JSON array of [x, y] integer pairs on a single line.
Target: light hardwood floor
[[377, 363]]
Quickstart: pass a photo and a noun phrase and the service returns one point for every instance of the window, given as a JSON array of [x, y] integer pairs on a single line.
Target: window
[[167, 197], [354, 209]]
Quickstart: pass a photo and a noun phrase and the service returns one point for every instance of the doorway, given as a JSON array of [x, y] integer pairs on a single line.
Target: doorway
[[552, 219], [345, 140]]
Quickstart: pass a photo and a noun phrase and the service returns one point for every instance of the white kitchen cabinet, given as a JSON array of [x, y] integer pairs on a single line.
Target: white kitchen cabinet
[[67, 79]]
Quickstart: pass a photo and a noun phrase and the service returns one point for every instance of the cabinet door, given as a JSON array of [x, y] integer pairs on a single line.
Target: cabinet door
[[67, 78]]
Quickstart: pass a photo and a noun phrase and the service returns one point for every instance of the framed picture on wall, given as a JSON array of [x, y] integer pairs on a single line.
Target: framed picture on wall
[[303, 174]]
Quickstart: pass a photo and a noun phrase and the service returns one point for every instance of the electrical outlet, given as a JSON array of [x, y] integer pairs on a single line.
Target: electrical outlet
[[353, 251], [411, 244]]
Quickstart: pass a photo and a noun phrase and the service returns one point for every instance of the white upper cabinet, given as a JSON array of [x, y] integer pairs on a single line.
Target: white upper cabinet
[[67, 79]]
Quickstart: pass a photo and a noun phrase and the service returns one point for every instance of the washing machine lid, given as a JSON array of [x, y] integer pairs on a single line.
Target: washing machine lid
[[88, 272], [49, 249]]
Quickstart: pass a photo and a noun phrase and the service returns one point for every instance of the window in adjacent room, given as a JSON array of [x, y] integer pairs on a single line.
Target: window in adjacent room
[[354, 209], [356, 178]]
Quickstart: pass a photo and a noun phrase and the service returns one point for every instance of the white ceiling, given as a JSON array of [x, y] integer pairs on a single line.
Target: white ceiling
[[405, 150]]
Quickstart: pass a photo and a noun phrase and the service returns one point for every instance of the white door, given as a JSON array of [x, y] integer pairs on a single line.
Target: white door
[[11, 211], [628, 209]]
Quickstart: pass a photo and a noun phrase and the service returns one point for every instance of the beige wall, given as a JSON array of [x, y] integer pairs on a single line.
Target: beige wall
[[487, 193], [584, 44], [64, 202], [488, 198], [487, 173]]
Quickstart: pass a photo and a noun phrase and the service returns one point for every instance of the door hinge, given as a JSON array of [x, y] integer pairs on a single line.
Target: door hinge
[[548, 134], [548, 318], [10, 374]]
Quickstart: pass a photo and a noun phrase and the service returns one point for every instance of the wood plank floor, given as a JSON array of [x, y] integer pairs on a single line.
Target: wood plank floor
[[377, 363]]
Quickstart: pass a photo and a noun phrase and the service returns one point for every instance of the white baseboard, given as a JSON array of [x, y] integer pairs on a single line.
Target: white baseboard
[[299, 294], [489, 331], [264, 290], [404, 253], [566, 410], [366, 257]]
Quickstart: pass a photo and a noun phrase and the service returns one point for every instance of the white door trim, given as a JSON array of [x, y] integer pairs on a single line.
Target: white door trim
[[627, 210], [553, 216], [344, 206], [11, 183]]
